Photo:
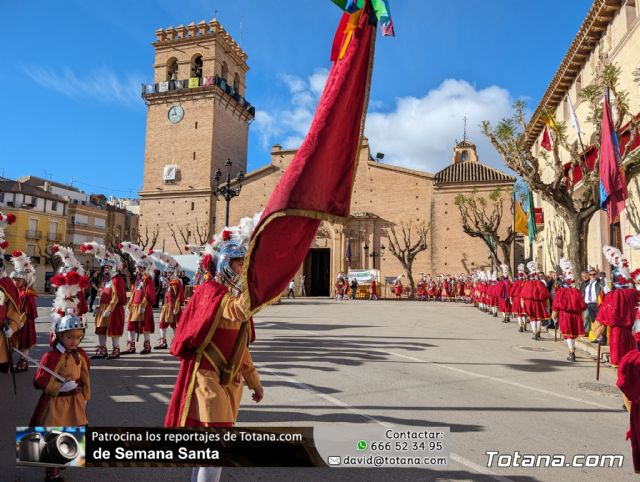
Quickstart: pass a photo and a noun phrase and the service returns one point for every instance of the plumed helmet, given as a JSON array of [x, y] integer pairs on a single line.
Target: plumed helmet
[[505, 270], [227, 252], [106, 257], [5, 220], [169, 262], [69, 260], [633, 241], [22, 268], [532, 266], [620, 264]]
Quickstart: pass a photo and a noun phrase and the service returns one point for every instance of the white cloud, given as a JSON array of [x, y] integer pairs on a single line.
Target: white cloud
[[420, 132], [289, 126], [102, 85]]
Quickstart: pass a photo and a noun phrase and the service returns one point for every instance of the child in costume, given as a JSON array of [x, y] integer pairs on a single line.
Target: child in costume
[[23, 276], [173, 296], [10, 315], [64, 397]]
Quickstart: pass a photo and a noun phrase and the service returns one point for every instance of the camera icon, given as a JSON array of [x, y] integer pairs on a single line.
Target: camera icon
[[57, 448]]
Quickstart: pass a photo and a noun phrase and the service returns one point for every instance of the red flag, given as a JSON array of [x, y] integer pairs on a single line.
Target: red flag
[[611, 175], [317, 184], [546, 139]]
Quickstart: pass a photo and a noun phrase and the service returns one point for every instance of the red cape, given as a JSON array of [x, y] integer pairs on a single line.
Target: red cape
[[618, 307], [192, 332]]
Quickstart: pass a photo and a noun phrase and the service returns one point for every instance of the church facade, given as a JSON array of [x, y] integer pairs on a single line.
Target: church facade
[[192, 132]]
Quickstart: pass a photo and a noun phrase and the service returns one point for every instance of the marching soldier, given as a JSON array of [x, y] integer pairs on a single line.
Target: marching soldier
[[10, 314], [143, 297], [212, 343], [173, 296], [23, 276]]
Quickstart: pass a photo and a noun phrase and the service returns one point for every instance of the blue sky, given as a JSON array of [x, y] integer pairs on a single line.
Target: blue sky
[[72, 73]]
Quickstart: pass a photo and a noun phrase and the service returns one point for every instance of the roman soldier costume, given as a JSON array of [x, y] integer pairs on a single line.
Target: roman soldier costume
[[502, 290], [514, 296], [422, 287], [397, 287], [10, 314], [374, 289], [341, 287], [109, 316], [143, 297], [212, 340], [23, 276], [173, 296], [534, 299], [568, 307], [618, 307]]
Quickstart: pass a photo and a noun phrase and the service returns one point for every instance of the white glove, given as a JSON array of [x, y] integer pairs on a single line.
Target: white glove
[[175, 312], [8, 331], [106, 314], [69, 386]]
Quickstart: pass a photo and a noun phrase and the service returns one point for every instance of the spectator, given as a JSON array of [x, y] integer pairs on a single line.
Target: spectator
[[184, 278], [354, 288], [303, 291], [157, 282], [94, 279], [591, 291], [292, 287]]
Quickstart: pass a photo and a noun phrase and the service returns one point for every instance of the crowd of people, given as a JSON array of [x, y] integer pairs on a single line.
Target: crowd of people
[[218, 364]]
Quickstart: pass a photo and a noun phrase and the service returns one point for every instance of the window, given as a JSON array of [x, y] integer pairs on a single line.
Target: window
[[78, 239], [193, 206], [31, 250], [224, 71], [80, 219], [172, 69], [236, 83], [196, 66], [1, 197], [54, 205], [100, 223], [464, 156]]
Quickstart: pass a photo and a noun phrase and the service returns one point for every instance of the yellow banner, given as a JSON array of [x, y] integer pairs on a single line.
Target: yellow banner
[[520, 223]]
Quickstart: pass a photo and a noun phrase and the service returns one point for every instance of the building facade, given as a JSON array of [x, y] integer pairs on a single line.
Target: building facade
[[192, 131], [610, 33], [41, 220]]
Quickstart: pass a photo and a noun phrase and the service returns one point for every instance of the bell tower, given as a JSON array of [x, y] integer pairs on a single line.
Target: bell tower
[[464, 151], [197, 118]]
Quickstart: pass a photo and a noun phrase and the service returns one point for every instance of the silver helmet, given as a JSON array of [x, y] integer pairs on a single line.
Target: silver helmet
[[228, 251], [69, 322]]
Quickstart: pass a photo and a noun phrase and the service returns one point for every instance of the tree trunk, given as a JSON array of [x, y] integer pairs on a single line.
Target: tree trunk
[[506, 253], [577, 246], [409, 271]]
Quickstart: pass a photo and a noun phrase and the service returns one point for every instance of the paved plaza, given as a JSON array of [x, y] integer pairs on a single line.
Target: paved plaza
[[386, 363]]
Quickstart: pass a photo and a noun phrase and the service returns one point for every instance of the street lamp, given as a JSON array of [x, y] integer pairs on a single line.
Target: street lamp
[[366, 254], [226, 191], [374, 254]]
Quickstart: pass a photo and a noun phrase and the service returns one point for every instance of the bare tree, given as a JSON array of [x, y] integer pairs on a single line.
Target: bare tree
[[546, 174], [406, 249], [49, 256], [146, 240], [200, 233], [482, 218]]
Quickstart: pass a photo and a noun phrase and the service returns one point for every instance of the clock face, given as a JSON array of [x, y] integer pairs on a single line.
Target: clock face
[[176, 113]]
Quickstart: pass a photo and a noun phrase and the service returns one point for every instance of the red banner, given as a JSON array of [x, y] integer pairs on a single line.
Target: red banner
[[317, 184]]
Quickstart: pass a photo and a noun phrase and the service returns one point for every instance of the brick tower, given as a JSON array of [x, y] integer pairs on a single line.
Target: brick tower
[[197, 118]]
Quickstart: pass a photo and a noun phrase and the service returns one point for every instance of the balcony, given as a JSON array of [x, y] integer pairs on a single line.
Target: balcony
[[33, 234], [54, 237], [150, 91]]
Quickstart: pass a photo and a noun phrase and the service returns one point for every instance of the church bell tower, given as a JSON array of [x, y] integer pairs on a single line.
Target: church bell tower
[[197, 118]]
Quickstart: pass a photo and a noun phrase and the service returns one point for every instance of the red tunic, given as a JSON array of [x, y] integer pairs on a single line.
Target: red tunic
[[629, 383], [514, 294], [145, 290], [504, 303], [83, 307], [397, 288], [569, 304], [618, 312], [26, 336], [374, 288], [535, 296]]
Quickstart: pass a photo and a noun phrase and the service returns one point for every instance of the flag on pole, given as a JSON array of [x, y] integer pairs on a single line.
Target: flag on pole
[[520, 223], [531, 221], [546, 139], [613, 185], [574, 118], [347, 251], [318, 183]]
